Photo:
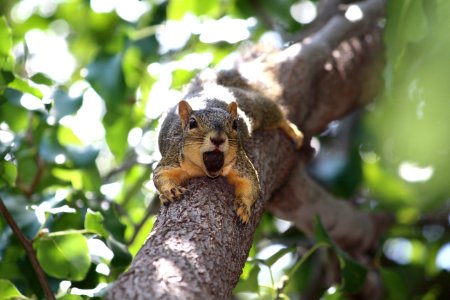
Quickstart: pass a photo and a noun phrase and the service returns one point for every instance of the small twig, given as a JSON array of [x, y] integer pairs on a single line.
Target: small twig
[[37, 178], [28, 190], [26, 244]]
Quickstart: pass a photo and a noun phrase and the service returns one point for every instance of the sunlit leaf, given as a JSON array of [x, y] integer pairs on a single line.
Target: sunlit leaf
[[24, 86], [12, 112], [181, 77], [74, 177], [9, 291], [67, 137], [53, 152], [70, 297], [91, 178], [334, 294], [178, 8], [94, 222], [8, 173], [117, 128], [133, 67], [385, 185], [251, 282], [64, 256], [415, 23], [141, 236], [6, 59]]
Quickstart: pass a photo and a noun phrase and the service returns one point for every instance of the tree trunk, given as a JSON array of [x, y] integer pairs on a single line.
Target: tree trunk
[[197, 248]]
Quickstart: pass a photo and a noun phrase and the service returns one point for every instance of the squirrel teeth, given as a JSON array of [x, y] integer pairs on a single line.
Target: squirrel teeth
[[213, 161]]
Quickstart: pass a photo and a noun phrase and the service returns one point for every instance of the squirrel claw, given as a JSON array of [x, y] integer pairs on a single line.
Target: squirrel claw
[[243, 212], [171, 195]]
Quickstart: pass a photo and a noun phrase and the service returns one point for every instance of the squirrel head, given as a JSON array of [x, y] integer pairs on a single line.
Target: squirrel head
[[210, 137]]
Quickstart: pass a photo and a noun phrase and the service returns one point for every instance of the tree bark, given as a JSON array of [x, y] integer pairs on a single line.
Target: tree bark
[[197, 247]]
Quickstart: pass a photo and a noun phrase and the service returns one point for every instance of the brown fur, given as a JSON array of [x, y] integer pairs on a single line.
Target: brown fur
[[186, 136]]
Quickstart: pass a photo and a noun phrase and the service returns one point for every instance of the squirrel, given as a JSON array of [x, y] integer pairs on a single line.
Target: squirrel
[[205, 133]]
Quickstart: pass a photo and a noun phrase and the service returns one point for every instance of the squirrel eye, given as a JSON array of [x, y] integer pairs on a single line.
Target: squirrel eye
[[192, 123], [235, 125]]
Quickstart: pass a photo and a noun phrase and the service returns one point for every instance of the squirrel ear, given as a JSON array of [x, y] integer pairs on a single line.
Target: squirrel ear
[[232, 109], [184, 111]]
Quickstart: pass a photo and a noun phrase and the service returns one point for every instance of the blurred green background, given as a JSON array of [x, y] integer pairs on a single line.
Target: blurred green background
[[84, 83]]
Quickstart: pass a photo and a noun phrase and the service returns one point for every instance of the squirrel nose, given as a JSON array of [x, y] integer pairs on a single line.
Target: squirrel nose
[[217, 141]]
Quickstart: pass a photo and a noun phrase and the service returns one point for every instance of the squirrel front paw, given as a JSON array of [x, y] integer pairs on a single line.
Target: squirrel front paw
[[242, 210], [171, 195]]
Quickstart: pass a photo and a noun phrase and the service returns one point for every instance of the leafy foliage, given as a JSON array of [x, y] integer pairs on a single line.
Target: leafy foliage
[[83, 84]]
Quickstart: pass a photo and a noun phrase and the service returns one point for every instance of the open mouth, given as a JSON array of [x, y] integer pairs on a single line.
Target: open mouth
[[213, 161]]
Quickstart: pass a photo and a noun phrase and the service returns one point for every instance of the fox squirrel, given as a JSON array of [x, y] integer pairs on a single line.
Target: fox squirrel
[[206, 137]]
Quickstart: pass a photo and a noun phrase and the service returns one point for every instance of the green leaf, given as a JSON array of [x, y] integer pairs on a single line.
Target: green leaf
[[105, 74], [65, 105], [117, 128], [353, 274], [275, 257], [18, 206], [23, 86], [41, 78], [5, 77], [250, 284], [70, 297], [133, 67], [91, 179], [64, 256], [253, 279], [11, 112], [9, 291], [321, 234], [6, 59], [415, 22], [82, 156], [336, 295], [50, 149], [94, 222], [178, 8], [77, 157], [122, 256], [66, 136], [8, 172]]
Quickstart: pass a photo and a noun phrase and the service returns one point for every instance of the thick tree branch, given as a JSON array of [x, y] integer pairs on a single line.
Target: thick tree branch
[[197, 248], [339, 217]]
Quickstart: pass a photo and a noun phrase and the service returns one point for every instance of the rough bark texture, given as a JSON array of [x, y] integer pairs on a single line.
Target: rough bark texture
[[197, 248]]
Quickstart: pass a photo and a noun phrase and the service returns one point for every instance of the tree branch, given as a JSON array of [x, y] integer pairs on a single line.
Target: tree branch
[[197, 248], [26, 244], [302, 199]]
